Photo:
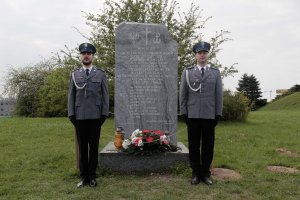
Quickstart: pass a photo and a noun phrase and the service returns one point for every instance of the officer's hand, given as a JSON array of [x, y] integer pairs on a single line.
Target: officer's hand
[[185, 117], [73, 120], [102, 119], [217, 119]]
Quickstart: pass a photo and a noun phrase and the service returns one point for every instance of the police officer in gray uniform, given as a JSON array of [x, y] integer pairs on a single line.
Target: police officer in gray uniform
[[88, 104], [201, 103]]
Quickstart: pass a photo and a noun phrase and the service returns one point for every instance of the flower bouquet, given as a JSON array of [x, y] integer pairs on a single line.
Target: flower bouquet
[[145, 142]]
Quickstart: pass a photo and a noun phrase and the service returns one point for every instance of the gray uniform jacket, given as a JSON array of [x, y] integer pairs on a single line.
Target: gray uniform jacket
[[203, 97], [92, 100]]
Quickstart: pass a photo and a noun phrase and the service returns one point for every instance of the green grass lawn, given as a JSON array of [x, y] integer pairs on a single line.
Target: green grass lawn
[[37, 161]]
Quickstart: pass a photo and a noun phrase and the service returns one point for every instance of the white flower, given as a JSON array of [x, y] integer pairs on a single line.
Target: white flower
[[134, 134], [168, 138], [126, 143], [163, 138], [140, 144]]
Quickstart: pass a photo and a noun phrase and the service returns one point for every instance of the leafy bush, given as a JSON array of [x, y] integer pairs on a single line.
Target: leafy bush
[[260, 103], [23, 85], [53, 94], [236, 106]]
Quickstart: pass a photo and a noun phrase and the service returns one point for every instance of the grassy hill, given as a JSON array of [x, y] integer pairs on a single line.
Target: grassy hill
[[291, 102]]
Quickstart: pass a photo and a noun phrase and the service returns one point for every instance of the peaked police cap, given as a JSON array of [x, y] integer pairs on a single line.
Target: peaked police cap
[[201, 46], [87, 47]]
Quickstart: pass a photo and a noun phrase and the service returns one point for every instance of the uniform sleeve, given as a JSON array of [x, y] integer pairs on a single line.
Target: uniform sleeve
[[105, 97], [71, 97], [219, 95], [183, 93]]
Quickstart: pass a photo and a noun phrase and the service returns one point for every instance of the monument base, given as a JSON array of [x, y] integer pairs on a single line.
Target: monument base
[[111, 159]]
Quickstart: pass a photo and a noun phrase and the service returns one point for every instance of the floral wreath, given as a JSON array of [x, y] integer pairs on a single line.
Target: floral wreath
[[144, 142]]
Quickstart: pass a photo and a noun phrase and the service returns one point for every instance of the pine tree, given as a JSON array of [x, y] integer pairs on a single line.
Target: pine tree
[[250, 86]]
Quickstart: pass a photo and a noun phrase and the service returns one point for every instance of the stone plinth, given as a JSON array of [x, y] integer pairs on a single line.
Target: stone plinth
[[111, 159]]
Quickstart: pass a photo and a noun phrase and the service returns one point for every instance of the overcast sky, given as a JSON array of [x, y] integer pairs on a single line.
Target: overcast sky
[[265, 33]]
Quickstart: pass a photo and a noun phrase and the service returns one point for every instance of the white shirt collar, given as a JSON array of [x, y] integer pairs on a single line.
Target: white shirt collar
[[90, 68], [205, 68]]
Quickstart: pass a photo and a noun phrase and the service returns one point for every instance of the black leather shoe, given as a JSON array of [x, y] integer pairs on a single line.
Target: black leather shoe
[[195, 180], [81, 183], [207, 180], [93, 182]]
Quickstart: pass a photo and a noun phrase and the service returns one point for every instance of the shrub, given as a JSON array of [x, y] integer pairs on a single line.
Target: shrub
[[236, 106], [260, 103], [23, 85], [53, 94]]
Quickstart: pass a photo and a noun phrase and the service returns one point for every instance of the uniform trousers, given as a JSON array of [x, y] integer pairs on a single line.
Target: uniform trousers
[[201, 139], [88, 134]]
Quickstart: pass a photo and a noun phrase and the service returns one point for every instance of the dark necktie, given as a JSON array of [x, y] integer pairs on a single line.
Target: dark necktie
[[87, 72], [202, 71]]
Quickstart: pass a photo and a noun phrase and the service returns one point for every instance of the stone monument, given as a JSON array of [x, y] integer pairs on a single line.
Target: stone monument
[[145, 94], [146, 79]]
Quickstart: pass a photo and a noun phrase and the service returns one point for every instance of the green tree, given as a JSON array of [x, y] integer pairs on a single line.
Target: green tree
[[185, 28], [53, 94], [250, 86], [295, 88], [24, 84]]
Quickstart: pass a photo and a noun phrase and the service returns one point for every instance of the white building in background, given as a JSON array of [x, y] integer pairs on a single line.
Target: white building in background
[[6, 106]]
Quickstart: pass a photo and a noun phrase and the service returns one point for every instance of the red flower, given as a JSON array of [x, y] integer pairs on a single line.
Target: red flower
[[158, 132], [166, 142], [149, 139], [146, 131], [136, 141]]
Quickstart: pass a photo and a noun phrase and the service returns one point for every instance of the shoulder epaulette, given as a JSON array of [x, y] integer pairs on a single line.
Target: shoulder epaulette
[[214, 68], [75, 69], [100, 69], [190, 67]]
